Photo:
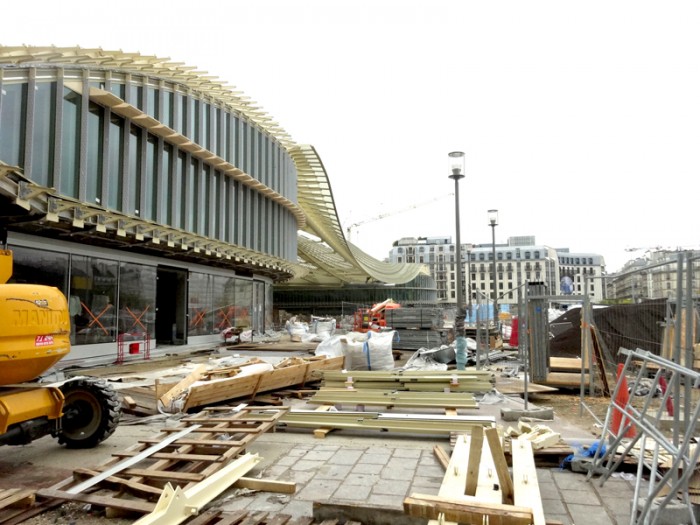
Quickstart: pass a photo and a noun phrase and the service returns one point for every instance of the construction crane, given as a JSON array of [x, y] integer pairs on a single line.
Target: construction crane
[[395, 212]]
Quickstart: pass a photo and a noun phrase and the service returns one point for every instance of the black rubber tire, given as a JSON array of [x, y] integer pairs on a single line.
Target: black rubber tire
[[91, 413]]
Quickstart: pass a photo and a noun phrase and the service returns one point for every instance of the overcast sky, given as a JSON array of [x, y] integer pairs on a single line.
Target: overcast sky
[[580, 121]]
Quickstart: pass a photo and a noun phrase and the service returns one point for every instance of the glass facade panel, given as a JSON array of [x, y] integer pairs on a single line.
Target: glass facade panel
[[95, 138], [152, 105], [13, 111], [179, 202], [134, 185], [137, 301], [118, 89], [115, 176], [224, 305], [166, 114], [150, 178], [199, 308], [179, 113], [70, 144], [94, 284], [165, 212], [42, 133], [34, 266], [244, 302]]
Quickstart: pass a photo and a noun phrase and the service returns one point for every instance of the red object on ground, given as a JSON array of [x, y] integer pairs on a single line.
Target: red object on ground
[[513, 341], [669, 401], [619, 420]]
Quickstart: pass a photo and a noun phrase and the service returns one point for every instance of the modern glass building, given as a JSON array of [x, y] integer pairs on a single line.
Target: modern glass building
[[162, 203]]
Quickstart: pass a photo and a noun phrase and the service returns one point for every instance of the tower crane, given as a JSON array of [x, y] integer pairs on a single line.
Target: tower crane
[[395, 212]]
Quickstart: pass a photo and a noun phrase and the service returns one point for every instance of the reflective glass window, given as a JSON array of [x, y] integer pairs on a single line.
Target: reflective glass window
[[193, 121], [199, 309], [152, 105], [115, 176], [43, 133], [93, 282], [215, 202], [206, 129], [137, 301], [192, 193], [208, 203], [134, 186], [148, 206], [70, 143], [166, 113], [180, 202], [136, 96], [165, 198], [119, 89], [224, 305], [244, 302], [95, 139], [179, 113], [31, 265], [13, 111]]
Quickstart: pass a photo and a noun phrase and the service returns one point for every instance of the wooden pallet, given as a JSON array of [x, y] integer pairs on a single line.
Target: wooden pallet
[[179, 457]]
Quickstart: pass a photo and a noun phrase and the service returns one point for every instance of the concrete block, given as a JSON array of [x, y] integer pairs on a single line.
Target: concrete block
[[673, 513], [513, 414]]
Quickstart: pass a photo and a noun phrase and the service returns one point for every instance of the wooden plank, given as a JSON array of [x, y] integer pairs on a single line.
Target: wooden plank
[[565, 364], [118, 484], [499, 459], [16, 498], [465, 509], [526, 490], [475, 447], [268, 485], [488, 489], [565, 379], [183, 385], [442, 456]]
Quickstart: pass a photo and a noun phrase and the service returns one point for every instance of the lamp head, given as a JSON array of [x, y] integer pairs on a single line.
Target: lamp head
[[493, 217], [456, 164]]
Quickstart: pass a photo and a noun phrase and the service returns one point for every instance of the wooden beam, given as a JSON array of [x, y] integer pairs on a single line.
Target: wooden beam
[[441, 456], [194, 376], [465, 510], [526, 488], [475, 446], [268, 485], [499, 458]]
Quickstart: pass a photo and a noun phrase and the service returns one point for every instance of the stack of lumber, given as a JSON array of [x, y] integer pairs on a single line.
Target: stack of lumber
[[413, 380], [324, 421], [362, 397], [478, 487], [201, 389]]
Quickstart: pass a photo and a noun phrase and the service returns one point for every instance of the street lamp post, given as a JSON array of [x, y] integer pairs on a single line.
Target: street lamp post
[[456, 165], [493, 222]]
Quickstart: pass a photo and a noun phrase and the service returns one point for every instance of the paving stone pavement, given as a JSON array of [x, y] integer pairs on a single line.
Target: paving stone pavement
[[381, 472]]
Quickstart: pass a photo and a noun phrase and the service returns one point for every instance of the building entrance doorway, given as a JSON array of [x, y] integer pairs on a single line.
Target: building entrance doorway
[[171, 304]]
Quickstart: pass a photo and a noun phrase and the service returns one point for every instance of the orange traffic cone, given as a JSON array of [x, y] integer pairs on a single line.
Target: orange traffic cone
[[622, 399]]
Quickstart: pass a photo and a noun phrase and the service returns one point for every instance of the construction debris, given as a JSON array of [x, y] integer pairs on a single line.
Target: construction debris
[[186, 466], [223, 380]]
